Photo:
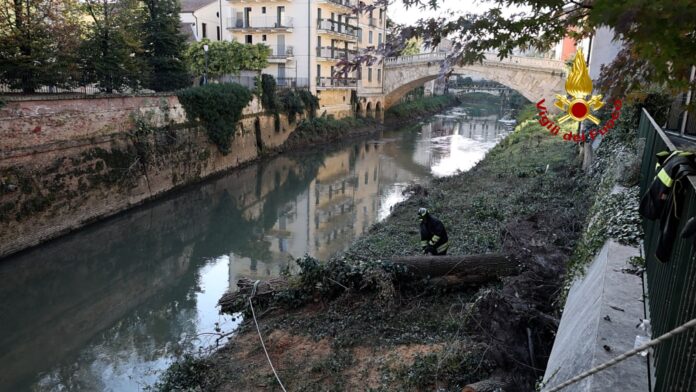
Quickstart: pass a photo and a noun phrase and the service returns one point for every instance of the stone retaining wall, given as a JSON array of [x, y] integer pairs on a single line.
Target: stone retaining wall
[[66, 163]]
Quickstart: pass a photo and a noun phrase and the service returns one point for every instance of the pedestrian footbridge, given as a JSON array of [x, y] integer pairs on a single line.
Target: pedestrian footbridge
[[534, 78]]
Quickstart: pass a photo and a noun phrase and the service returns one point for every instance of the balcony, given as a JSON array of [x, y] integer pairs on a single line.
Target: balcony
[[280, 53], [260, 24], [338, 29], [332, 53], [331, 83], [345, 5], [373, 22], [292, 83]]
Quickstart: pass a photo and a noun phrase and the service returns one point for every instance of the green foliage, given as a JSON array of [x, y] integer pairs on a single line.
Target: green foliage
[[269, 99], [112, 52], [164, 45], [218, 107], [226, 57], [296, 102], [38, 43], [658, 36], [412, 47], [422, 106], [326, 129], [186, 374], [310, 101]]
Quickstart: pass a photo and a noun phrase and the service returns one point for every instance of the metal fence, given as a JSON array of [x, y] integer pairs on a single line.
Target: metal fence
[[672, 285], [91, 89]]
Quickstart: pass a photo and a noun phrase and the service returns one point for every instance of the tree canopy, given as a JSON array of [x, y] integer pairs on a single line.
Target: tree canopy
[[226, 57], [38, 43], [659, 36]]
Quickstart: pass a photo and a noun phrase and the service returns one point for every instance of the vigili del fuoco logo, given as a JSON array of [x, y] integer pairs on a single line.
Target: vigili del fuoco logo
[[579, 87]]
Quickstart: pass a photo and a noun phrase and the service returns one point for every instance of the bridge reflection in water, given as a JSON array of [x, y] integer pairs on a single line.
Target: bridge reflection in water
[[108, 307]]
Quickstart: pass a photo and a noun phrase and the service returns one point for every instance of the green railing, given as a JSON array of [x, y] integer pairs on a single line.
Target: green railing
[[671, 286]]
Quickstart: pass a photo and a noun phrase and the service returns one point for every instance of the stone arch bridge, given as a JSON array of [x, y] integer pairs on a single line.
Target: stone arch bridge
[[534, 78]]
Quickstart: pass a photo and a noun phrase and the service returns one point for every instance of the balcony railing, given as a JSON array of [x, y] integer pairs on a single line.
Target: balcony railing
[[333, 26], [284, 83], [345, 3], [261, 22], [335, 53], [336, 82], [281, 51], [372, 22], [672, 285]]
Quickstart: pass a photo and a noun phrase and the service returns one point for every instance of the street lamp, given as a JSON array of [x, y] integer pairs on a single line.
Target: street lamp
[[205, 72]]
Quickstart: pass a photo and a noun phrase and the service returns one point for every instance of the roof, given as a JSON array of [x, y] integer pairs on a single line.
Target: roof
[[193, 5], [187, 30]]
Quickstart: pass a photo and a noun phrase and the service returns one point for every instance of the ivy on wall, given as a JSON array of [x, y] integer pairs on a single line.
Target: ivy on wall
[[218, 107]]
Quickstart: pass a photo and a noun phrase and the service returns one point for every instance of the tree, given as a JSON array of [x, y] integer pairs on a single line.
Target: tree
[[38, 43], [164, 46], [412, 47], [112, 54], [225, 57], [659, 36]]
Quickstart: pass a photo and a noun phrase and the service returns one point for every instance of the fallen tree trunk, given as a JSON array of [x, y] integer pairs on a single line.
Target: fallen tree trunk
[[230, 302], [448, 270], [471, 268]]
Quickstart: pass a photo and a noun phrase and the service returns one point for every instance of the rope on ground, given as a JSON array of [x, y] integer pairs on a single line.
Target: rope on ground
[[253, 293], [676, 331]]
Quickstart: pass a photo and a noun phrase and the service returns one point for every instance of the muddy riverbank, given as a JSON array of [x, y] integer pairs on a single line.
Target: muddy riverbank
[[355, 324]]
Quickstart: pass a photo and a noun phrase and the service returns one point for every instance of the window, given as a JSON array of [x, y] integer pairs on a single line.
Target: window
[[218, 32], [379, 39], [360, 35], [263, 10], [379, 76], [205, 30], [381, 15], [318, 71], [369, 38], [217, 14], [263, 38], [247, 38], [369, 74]]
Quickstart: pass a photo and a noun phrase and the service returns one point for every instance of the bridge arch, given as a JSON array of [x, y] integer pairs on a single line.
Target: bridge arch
[[534, 78]]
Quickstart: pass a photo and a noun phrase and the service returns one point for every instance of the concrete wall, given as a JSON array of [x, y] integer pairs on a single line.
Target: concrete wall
[[599, 323], [65, 163]]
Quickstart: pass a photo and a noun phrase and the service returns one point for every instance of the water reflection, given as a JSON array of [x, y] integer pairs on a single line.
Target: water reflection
[[109, 306]]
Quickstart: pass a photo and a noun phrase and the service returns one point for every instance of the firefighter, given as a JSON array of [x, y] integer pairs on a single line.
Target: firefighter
[[433, 234]]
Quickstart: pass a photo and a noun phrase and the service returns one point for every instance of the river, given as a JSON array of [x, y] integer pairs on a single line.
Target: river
[[108, 307]]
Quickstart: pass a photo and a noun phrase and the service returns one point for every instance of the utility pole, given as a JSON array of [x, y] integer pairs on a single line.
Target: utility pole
[[205, 71]]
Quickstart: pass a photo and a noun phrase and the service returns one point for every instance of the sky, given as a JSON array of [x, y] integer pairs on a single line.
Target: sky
[[448, 8], [398, 13]]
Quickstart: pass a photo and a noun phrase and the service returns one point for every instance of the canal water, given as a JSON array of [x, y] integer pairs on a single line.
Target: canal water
[[109, 307]]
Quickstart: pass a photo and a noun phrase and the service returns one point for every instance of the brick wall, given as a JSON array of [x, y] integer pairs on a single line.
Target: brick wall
[[65, 163]]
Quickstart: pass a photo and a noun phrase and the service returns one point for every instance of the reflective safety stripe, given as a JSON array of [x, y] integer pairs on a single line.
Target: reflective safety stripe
[[424, 243], [443, 247], [435, 238], [665, 178]]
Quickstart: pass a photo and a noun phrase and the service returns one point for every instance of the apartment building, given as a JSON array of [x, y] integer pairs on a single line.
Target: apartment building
[[308, 39], [202, 19]]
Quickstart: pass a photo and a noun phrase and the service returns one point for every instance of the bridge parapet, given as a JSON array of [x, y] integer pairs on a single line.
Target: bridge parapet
[[490, 58]]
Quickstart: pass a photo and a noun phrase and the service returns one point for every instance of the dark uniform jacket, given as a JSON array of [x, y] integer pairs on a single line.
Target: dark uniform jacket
[[433, 236]]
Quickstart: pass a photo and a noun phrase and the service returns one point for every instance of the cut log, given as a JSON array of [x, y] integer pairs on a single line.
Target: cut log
[[450, 270], [232, 302], [471, 268]]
